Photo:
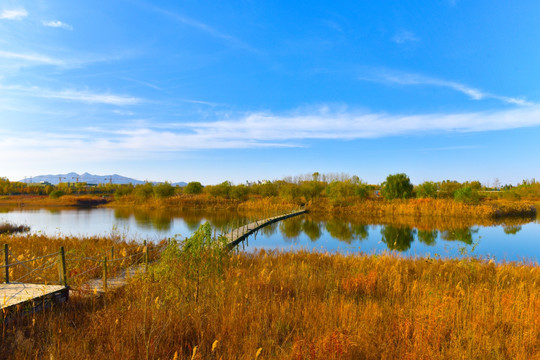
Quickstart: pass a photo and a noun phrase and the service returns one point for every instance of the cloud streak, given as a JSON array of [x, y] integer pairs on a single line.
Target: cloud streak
[[404, 36], [33, 58], [196, 24], [255, 130], [14, 14], [415, 79], [57, 24], [76, 95]]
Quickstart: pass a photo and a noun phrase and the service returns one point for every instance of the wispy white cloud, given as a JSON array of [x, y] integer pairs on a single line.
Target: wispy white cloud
[[404, 36], [76, 95], [254, 130], [14, 14], [199, 25], [416, 79], [200, 102], [57, 24], [33, 58]]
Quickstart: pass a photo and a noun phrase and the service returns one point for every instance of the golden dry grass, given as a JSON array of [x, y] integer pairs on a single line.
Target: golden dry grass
[[300, 306], [425, 208]]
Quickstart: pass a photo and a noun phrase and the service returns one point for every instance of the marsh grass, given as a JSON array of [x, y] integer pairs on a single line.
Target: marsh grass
[[298, 305]]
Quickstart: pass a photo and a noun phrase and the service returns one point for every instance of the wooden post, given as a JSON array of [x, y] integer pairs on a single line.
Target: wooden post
[[105, 274], [112, 253], [6, 262], [62, 266], [145, 256]]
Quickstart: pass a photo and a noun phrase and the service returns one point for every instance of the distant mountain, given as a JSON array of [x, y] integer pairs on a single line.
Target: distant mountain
[[87, 178], [181, 184]]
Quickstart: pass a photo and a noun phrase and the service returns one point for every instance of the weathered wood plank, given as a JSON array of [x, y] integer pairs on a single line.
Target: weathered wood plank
[[239, 234], [15, 293]]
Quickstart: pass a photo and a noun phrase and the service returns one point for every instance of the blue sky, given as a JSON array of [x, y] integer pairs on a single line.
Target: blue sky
[[247, 90]]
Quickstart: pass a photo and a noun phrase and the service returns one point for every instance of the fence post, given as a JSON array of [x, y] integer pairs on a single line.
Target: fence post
[[105, 273], [6, 262], [62, 266], [112, 253]]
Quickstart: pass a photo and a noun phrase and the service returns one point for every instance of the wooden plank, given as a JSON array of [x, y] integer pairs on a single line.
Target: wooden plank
[[15, 294], [239, 234], [97, 285]]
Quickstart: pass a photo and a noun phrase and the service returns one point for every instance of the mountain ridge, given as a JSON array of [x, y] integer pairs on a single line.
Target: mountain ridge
[[86, 177]]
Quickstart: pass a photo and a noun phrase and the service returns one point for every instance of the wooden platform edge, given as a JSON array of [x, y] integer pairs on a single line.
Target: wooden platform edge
[[263, 224], [36, 304]]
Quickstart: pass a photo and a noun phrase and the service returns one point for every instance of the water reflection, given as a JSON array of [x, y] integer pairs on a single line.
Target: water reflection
[[312, 229], [451, 238], [464, 235], [512, 229], [397, 238], [291, 228], [404, 234], [346, 232], [428, 237]]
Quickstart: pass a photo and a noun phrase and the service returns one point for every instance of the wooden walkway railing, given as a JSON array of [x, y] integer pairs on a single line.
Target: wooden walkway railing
[[239, 234], [30, 290]]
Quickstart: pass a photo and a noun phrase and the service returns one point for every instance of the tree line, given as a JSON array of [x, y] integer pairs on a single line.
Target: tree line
[[303, 188]]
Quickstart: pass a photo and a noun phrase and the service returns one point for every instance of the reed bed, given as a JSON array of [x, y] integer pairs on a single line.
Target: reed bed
[[301, 305], [425, 207]]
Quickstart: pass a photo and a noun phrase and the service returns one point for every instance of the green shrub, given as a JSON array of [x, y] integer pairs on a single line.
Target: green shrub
[[467, 195], [427, 189], [55, 194], [163, 190], [194, 187]]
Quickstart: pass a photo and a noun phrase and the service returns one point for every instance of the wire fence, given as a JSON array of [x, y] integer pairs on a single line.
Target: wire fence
[[71, 269]]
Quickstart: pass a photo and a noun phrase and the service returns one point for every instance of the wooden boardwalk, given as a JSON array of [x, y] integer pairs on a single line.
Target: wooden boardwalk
[[239, 234], [26, 298], [14, 294], [100, 287], [20, 299]]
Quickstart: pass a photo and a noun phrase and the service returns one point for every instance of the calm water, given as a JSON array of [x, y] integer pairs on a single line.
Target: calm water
[[519, 240]]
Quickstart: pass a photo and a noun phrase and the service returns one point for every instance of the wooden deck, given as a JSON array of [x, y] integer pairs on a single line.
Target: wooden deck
[[239, 234], [97, 285], [19, 298]]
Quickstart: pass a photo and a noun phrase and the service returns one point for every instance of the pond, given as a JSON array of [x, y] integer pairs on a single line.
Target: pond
[[513, 240]]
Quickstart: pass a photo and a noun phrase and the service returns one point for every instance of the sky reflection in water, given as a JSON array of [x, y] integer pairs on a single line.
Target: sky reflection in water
[[513, 241]]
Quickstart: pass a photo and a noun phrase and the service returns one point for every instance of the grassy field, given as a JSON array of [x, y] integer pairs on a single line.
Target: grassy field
[[199, 302]]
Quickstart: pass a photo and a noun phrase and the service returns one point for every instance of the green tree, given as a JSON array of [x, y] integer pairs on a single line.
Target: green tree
[[163, 190], [467, 195], [194, 187], [447, 189], [144, 191], [222, 189], [397, 186], [427, 189], [239, 192]]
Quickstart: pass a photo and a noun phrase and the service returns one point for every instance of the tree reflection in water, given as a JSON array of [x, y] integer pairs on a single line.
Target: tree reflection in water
[[291, 228], [345, 231], [397, 238], [428, 237], [312, 229], [512, 229], [464, 235]]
